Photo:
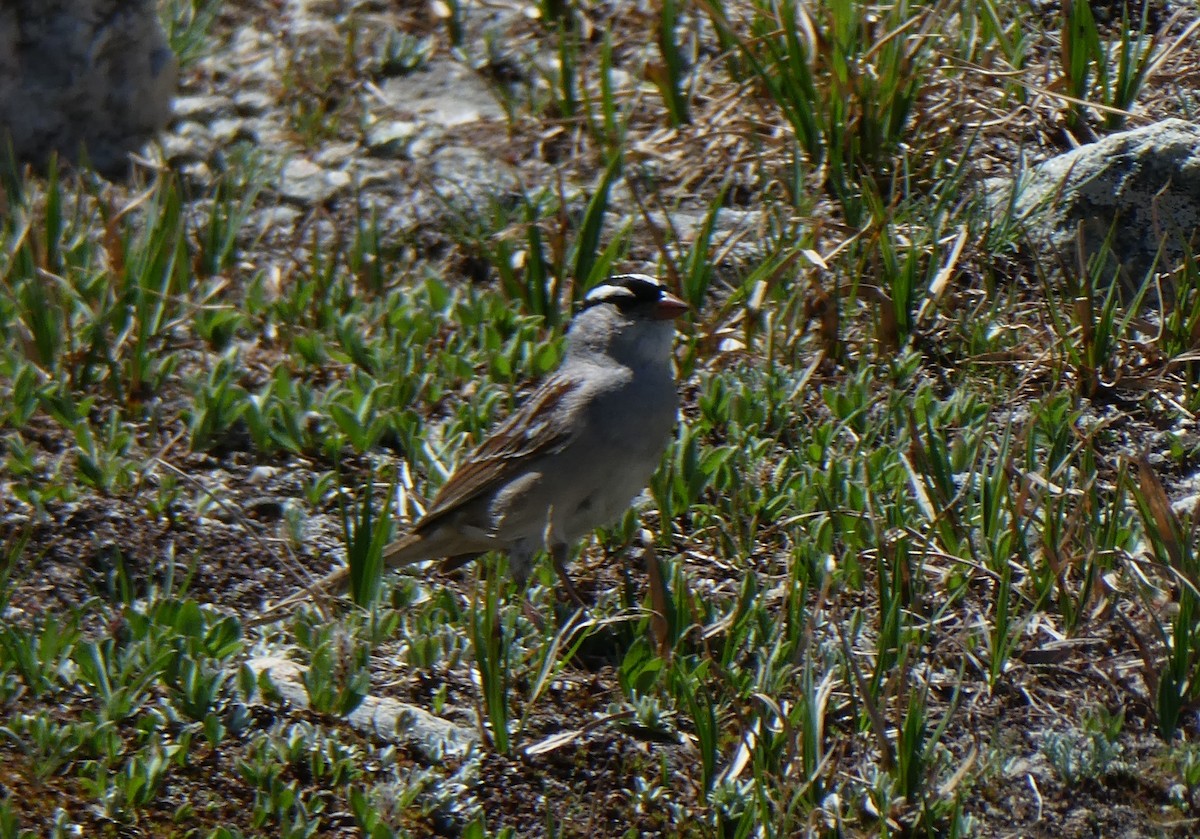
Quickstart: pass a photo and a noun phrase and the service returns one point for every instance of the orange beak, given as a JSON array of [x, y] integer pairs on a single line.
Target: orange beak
[[669, 307]]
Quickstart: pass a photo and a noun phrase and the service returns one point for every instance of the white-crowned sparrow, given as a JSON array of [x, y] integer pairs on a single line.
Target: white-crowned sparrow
[[575, 455]]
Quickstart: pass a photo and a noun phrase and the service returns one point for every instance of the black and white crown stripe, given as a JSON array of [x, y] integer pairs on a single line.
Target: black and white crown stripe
[[625, 290]]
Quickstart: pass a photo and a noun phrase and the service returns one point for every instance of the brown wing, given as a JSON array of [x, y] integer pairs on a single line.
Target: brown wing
[[498, 458]]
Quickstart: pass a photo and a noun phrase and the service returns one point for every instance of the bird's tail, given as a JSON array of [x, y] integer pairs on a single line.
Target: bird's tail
[[406, 550]]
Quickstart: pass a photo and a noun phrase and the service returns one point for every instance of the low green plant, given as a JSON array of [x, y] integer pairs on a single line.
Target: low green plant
[[846, 83], [1186, 760], [1089, 753], [1173, 676], [47, 744], [41, 655], [218, 406], [288, 805], [338, 678], [188, 24], [492, 627], [120, 675], [1110, 73], [670, 76], [400, 53], [366, 535], [10, 826]]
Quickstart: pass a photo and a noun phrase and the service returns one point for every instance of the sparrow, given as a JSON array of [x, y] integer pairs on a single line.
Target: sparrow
[[576, 453]]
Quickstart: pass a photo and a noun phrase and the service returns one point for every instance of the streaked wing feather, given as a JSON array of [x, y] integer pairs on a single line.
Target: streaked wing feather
[[528, 432]]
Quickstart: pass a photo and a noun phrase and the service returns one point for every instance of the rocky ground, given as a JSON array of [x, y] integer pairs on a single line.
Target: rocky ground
[[414, 128]]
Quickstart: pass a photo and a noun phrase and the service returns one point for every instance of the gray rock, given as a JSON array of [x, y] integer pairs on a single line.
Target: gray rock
[[738, 232], [192, 144], [201, 108], [281, 219], [445, 92], [304, 182], [390, 138], [1140, 187], [197, 173], [336, 154], [466, 176], [253, 102], [227, 131], [83, 74], [178, 150], [377, 174], [430, 736]]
